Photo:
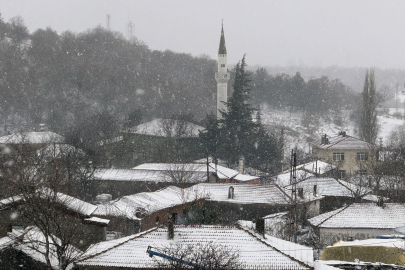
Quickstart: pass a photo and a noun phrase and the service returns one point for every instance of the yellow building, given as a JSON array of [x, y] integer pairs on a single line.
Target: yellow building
[[349, 154]]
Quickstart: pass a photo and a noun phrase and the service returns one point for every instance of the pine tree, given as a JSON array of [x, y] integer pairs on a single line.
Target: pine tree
[[368, 123], [237, 125]]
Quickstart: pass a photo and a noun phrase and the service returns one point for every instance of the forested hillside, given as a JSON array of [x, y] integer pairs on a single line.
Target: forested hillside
[[70, 79], [61, 79]]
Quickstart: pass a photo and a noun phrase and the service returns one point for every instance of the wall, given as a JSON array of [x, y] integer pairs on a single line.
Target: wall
[[350, 163], [329, 236]]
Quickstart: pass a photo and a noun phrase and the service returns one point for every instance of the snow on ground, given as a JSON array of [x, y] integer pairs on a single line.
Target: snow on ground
[[297, 136]]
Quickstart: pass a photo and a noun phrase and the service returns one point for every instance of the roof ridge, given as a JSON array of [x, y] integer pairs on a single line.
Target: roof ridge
[[270, 245], [119, 244]]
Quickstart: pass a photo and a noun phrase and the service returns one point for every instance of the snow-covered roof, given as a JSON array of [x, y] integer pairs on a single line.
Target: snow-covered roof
[[342, 143], [167, 128], [32, 243], [285, 178], [69, 202], [145, 175], [318, 167], [329, 187], [57, 150], [363, 215], [304, 171], [221, 171], [170, 172], [243, 193], [43, 137], [145, 202], [398, 243], [254, 252]]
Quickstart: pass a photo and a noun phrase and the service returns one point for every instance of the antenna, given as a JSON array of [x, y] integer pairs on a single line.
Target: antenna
[[108, 21], [130, 27]]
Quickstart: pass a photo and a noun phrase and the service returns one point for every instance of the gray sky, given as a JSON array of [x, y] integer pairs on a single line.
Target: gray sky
[[367, 33]]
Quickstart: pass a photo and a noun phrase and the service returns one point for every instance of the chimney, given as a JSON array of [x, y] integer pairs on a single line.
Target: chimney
[[324, 139], [42, 127], [170, 229], [241, 164], [342, 133], [380, 202], [260, 226]]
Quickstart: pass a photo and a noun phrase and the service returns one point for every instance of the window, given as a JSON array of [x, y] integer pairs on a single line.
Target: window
[[361, 172], [222, 65], [338, 156], [341, 174], [301, 192], [362, 156], [230, 193]]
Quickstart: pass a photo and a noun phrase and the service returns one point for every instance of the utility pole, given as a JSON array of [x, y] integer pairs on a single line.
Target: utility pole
[[293, 183]]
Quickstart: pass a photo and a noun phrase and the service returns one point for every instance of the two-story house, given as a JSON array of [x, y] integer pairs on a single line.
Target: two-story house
[[349, 154]]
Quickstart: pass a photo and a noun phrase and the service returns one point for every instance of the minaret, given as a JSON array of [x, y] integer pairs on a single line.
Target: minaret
[[222, 76]]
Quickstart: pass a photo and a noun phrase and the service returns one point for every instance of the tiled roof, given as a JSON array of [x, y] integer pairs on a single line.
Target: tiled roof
[[304, 171], [329, 187], [222, 172], [32, 243], [145, 175], [170, 172], [130, 252], [342, 143], [318, 166], [145, 202], [32, 138], [243, 193], [69, 202], [363, 215], [285, 178]]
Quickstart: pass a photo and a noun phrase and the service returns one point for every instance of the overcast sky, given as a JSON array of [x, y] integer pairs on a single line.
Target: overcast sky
[[368, 33]]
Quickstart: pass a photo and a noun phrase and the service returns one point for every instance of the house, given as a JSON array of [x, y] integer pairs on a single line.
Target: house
[[142, 211], [25, 249], [232, 202], [159, 140], [347, 153], [359, 221], [312, 169], [154, 176], [72, 216], [250, 251]]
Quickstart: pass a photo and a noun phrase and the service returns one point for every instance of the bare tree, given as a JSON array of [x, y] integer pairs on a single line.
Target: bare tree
[[198, 256], [31, 182], [183, 174]]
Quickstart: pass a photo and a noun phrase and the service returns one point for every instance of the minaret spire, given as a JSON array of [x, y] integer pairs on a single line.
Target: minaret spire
[[222, 76]]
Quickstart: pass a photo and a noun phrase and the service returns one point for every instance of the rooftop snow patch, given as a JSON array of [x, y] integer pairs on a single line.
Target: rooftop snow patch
[[167, 128], [45, 137]]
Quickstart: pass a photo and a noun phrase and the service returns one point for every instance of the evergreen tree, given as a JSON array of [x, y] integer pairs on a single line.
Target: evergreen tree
[[237, 134], [237, 124], [368, 123]]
